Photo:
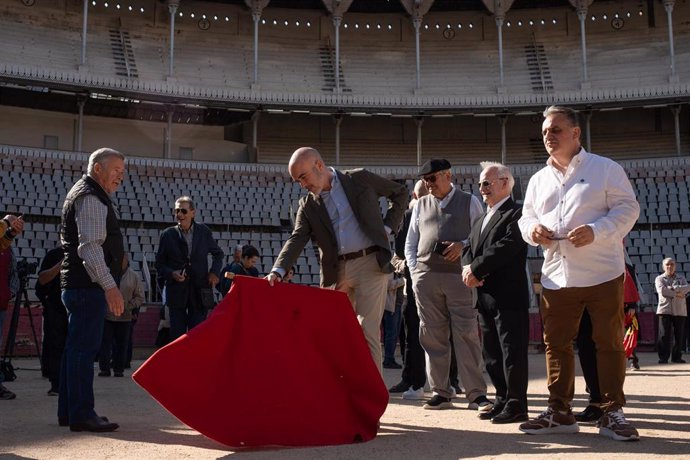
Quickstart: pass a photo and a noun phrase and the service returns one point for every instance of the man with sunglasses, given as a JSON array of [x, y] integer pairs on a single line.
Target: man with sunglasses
[[439, 229], [182, 261], [342, 215], [578, 208], [494, 263]]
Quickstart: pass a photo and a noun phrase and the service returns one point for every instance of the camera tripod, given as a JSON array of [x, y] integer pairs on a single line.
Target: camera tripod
[[6, 364]]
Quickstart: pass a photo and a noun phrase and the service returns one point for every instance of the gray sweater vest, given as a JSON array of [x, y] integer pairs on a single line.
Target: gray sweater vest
[[451, 223]]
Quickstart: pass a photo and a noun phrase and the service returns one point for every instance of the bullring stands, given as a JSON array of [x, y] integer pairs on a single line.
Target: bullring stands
[[252, 203]]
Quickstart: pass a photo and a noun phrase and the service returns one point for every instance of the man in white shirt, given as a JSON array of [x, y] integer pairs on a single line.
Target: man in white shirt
[[579, 207]]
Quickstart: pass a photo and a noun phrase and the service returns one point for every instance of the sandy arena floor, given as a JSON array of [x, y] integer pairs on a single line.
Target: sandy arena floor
[[658, 405]]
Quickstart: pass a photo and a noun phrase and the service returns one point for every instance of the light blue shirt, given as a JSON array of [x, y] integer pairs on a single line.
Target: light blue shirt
[[350, 236]]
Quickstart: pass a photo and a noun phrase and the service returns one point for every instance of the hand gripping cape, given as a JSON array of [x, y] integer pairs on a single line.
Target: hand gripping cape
[[284, 365]]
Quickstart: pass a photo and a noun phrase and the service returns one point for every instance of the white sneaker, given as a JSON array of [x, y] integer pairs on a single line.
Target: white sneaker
[[413, 394]]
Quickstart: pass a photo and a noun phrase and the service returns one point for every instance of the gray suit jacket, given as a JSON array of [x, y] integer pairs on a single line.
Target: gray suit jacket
[[363, 190]]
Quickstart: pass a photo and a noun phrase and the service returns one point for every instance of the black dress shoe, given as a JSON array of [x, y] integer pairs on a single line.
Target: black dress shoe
[[678, 361], [65, 421], [399, 387], [492, 413], [590, 414], [104, 374], [94, 425], [509, 416], [391, 365], [119, 374]]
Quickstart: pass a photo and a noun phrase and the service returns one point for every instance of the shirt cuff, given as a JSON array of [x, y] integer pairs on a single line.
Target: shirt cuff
[[279, 271]]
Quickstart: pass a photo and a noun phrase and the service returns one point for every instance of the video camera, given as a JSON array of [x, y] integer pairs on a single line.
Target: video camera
[[25, 268]]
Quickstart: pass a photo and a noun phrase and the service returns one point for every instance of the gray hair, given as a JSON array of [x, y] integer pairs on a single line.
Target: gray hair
[[667, 260], [569, 113], [185, 199], [102, 155], [501, 169]]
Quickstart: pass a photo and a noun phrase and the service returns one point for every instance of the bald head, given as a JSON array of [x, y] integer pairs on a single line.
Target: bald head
[[420, 189], [307, 167]]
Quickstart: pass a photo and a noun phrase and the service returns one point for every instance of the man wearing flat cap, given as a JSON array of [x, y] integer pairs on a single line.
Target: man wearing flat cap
[[439, 229]]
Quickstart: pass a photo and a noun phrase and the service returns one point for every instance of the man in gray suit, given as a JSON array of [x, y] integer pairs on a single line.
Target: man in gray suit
[[341, 214]]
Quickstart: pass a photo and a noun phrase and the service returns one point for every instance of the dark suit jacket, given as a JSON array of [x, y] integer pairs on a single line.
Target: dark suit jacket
[[363, 190], [172, 256], [498, 256]]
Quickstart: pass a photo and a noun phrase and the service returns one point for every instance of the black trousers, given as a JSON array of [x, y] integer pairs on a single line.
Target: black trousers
[[414, 363], [54, 337], [505, 337], [114, 346], [587, 353], [671, 328]]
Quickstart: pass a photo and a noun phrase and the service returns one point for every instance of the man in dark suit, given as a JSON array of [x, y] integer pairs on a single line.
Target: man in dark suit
[[494, 264], [182, 261], [341, 214]]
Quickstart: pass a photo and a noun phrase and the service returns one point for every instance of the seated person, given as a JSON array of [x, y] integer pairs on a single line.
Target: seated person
[[246, 267]]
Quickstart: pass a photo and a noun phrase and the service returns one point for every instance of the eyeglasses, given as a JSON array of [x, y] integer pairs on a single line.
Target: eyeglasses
[[431, 178], [486, 183], [182, 210]]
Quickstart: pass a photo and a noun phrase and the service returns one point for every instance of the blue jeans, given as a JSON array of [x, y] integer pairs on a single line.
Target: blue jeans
[[86, 314], [391, 328]]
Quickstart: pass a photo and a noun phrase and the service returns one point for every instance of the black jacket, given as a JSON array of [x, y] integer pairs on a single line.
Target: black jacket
[[172, 256], [498, 256]]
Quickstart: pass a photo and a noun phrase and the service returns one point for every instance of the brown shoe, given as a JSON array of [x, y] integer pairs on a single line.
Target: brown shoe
[[614, 425], [551, 422]]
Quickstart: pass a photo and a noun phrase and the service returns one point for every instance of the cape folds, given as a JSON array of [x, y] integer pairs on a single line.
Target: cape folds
[[221, 378]]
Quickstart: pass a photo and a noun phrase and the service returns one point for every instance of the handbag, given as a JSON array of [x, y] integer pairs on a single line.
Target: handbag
[[208, 300]]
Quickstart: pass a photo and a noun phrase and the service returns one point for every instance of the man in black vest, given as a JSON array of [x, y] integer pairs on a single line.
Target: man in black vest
[[90, 274]]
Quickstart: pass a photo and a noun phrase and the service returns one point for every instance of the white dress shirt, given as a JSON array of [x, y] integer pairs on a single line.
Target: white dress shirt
[[490, 211], [594, 191], [412, 240]]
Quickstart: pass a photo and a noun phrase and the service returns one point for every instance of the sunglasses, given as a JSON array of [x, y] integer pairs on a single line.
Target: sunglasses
[[182, 210], [486, 183], [431, 178]]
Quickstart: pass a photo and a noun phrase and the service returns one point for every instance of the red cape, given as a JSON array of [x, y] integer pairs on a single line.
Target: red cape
[[283, 365]]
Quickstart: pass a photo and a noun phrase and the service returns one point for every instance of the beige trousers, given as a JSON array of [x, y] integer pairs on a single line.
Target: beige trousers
[[366, 287]]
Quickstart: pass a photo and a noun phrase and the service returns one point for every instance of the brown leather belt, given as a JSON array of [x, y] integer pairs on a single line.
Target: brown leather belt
[[358, 254]]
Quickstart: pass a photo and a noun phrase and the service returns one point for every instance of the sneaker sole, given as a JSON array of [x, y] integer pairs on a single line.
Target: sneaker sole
[[616, 437], [442, 406], [560, 429]]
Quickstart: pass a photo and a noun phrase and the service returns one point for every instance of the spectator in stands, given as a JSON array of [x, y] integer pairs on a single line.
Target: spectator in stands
[[237, 254], [54, 316], [92, 267], [391, 320], [117, 328], [494, 263], [246, 266], [672, 311], [342, 215], [289, 275], [182, 260], [439, 227], [10, 227], [578, 208]]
